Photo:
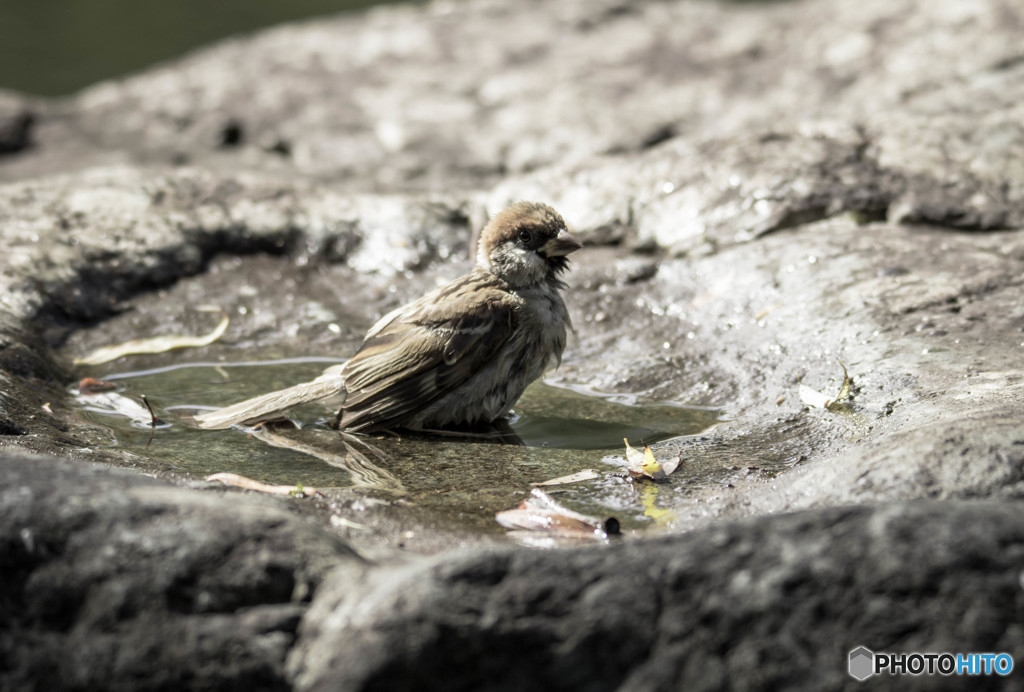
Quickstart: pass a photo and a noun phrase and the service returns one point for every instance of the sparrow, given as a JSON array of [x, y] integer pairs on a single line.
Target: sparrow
[[459, 356]]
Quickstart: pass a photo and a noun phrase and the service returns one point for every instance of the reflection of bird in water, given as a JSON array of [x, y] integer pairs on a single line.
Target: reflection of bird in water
[[362, 472], [460, 355]]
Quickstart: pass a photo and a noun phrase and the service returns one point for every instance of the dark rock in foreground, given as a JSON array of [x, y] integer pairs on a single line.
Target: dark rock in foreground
[[112, 580], [770, 604]]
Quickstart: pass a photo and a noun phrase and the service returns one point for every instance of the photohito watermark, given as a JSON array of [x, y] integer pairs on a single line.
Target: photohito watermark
[[864, 663]]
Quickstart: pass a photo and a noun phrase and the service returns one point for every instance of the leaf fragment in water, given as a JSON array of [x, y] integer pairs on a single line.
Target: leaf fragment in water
[[117, 404], [159, 344], [646, 466], [90, 385], [237, 481], [584, 475], [816, 399], [540, 512]]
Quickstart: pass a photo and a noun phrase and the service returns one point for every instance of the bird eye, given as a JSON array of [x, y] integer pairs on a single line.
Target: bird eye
[[525, 236]]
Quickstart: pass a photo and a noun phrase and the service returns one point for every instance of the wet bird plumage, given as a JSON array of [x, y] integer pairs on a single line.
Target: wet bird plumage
[[463, 353]]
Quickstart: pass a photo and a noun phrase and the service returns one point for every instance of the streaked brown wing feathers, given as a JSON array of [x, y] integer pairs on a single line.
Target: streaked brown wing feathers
[[424, 354]]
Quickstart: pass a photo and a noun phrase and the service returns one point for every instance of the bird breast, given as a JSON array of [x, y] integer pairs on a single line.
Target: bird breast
[[537, 344]]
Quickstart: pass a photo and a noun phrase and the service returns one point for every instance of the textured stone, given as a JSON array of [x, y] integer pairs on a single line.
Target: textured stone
[[766, 190], [117, 581], [767, 604]]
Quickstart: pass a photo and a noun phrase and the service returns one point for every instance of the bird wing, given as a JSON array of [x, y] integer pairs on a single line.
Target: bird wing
[[424, 352]]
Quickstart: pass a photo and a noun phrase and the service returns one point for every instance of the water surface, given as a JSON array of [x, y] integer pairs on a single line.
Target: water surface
[[455, 481]]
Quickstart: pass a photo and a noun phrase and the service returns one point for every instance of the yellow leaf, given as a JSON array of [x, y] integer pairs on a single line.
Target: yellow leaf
[[646, 465]]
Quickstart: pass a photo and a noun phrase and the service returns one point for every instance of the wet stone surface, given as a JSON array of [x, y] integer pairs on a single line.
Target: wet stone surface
[[289, 321], [807, 184]]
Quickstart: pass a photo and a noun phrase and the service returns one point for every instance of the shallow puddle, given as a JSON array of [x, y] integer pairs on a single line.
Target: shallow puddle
[[453, 483]]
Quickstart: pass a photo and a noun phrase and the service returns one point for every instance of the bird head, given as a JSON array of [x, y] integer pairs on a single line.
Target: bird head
[[525, 244]]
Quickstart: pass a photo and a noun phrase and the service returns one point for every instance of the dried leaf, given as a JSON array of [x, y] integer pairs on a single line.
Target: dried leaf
[[158, 344], [816, 399], [634, 458], [584, 475], [249, 484], [669, 467], [844, 391], [540, 512], [90, 385], [646, 466], [767, 311], [813, 397], [114, 403]]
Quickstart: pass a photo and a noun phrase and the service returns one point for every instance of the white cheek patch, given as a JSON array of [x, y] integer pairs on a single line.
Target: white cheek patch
[[517, 265], [506, 253]]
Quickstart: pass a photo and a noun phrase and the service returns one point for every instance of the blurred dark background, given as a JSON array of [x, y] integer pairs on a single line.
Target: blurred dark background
[[55, 47]]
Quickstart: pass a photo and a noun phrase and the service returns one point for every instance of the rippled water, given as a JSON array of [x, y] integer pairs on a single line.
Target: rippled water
[[558, 430]]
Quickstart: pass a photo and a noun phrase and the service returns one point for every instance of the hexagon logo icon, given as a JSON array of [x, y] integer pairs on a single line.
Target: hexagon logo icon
[[862, 663]]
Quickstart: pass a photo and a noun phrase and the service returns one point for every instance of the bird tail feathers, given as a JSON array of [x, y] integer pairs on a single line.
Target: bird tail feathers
[[273, 405]]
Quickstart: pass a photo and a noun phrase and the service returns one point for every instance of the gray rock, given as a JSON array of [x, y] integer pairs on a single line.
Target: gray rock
[[434, 98], [766, 189], [81, 242], [927, 322], [773, 603], [112, 580], [17, 117]]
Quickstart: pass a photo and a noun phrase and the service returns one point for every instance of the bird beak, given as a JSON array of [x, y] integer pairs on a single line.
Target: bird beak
[[561, 245]]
